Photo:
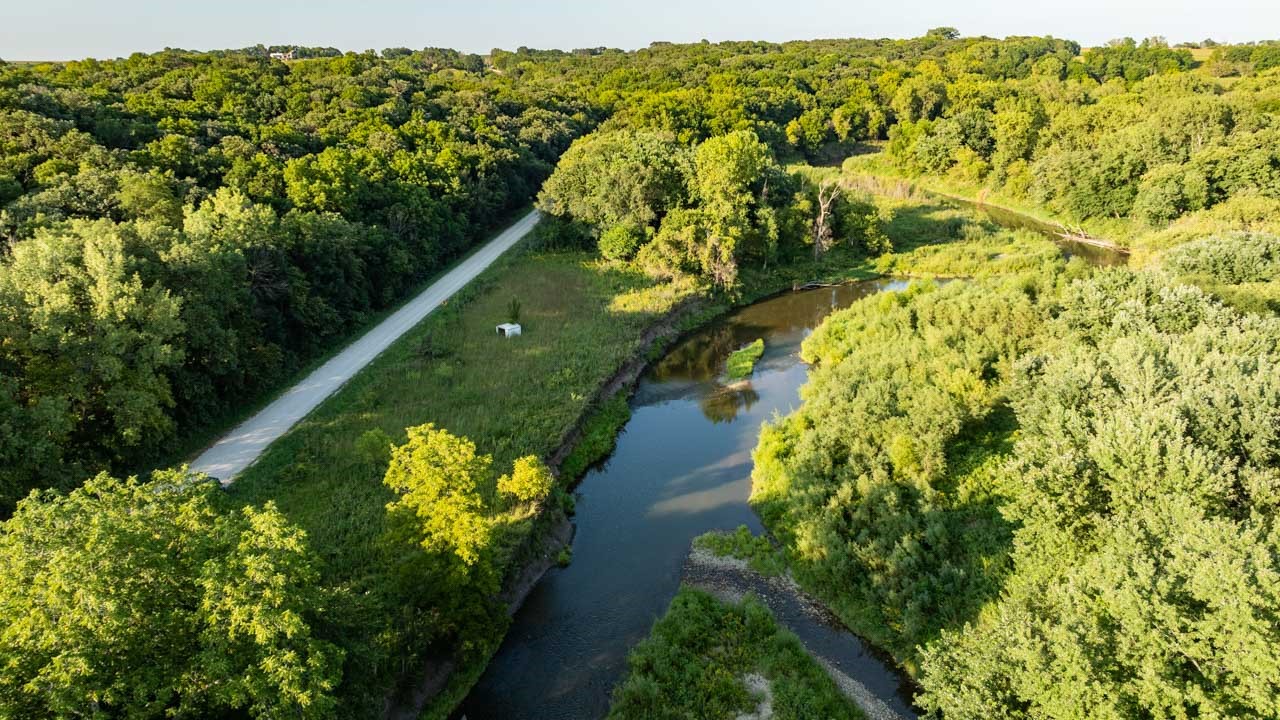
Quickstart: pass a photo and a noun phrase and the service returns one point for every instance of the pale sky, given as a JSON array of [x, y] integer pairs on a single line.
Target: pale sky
[[67, 29]]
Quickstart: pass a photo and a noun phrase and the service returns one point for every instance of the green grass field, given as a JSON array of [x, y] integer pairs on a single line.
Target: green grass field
[[512, 397]]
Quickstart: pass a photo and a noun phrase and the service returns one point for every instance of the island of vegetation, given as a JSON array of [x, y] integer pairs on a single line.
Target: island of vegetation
[[742, 362], [729, 660], [1048, 490]]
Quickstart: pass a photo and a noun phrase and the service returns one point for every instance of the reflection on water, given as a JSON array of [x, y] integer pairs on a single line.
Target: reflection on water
[[682, 467], [723, 403], [1092, 254]]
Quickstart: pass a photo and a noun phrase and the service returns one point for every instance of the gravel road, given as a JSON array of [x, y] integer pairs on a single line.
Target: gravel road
[[234, 452]]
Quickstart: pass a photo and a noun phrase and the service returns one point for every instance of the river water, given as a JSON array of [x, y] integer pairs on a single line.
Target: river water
[[682, 467]]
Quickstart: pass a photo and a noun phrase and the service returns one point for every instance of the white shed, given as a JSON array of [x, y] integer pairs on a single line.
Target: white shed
[[509, 329]]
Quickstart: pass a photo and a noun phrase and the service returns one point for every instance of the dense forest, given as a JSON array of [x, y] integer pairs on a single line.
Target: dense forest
[[185, 230], [1053, 495], [1048, 492]]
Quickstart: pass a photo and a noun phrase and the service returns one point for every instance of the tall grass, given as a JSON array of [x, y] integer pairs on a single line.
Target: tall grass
[[512, 397]]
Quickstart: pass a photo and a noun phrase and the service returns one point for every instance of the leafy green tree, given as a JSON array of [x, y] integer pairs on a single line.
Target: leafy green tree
[[731, 175], [143, 599], [150, 196], [530, 480], [1017, 124], [87, 347], [331, 181], [920, 97], [608, 179], [811, 130], [438, 479]]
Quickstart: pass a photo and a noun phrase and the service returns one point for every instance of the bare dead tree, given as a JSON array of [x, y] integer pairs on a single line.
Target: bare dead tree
[[823, 233]]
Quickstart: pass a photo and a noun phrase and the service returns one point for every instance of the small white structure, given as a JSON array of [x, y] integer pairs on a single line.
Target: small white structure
[[286, 56], [509, 329]]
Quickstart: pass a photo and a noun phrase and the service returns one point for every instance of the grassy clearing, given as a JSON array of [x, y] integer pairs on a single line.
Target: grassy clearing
[[696, 663], [985, 255], [512, 397], [742, 362]]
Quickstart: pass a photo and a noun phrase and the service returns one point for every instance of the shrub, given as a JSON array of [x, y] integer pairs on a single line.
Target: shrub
[[374, 446], [530, 479], [621, 242], [1231, 258], [742, 362], [555, 232]]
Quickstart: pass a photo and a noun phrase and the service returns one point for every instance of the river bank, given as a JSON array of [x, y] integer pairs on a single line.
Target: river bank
[[1117, 234], [681, 466], [670, 478], [542, 548], [432, 691], [1005, 215], [860, 673]]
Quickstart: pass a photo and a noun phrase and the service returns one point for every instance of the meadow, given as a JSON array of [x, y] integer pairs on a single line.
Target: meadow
[[513, 397]]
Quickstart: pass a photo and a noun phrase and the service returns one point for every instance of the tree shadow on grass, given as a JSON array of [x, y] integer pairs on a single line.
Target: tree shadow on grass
[[833, 154], [914, 225]]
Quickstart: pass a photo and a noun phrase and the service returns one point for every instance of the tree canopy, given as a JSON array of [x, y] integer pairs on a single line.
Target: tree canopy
[[143, 599]]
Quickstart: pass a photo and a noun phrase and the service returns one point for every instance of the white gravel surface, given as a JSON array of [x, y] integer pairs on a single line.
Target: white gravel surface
[[238, 449]]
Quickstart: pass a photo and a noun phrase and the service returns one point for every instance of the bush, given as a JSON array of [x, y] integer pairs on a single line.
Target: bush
[[695, 663], [599, 434], [757, 550], [1231, 258], [530, 479], [742, 362], [621, 242], [556, 232], [375, 446]]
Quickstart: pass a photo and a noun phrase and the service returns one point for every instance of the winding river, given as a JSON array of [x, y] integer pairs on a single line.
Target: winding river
[[682, 466]]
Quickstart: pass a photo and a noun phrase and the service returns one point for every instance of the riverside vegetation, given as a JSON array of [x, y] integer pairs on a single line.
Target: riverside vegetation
[[695, 662], [1048, 491], [743, 360], [1005, 482]]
